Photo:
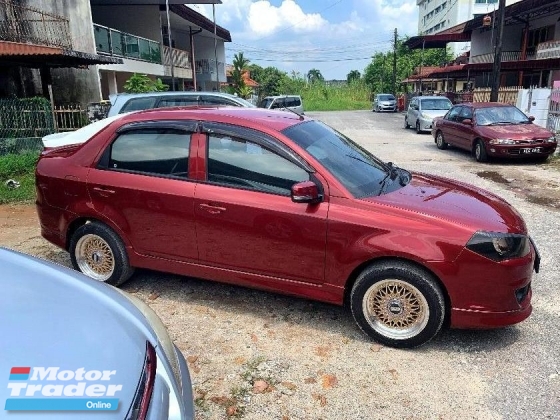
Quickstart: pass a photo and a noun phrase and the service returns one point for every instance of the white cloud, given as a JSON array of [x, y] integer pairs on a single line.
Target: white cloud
[[265, 19]]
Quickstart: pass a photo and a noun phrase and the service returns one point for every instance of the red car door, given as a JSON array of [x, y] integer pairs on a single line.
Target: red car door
[[245, 218], [142, 185], [465, 131], [449, 126]]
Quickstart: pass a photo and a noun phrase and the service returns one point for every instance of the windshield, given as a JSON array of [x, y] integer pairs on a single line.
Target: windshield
[[497, 115], [435, 104], [358, 170], [386, 97], [265, 103]]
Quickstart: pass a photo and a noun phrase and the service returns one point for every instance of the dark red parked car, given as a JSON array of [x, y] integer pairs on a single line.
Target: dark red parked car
[[492, 129], [284, 203]]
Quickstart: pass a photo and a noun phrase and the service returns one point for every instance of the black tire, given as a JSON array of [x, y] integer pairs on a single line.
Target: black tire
[[383, 289], [418, 131], [440, 141], [98, 252], [406, 124], [479, 152]]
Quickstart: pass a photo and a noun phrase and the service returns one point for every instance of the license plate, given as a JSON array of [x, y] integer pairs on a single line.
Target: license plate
[[532, 150]]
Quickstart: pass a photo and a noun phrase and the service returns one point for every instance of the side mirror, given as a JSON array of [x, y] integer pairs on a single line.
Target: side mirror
[[467, 121], [306, 192], [531, 118]]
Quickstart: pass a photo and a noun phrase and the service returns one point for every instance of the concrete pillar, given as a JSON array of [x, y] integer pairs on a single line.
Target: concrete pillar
[[112, 81]]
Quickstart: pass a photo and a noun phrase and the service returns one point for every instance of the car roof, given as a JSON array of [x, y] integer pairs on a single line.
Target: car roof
[[432, 97], [281, 96], [477, 105], [276, 120], [174, 93]]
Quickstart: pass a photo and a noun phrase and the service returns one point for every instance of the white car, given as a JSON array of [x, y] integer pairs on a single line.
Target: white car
[[423, 109]]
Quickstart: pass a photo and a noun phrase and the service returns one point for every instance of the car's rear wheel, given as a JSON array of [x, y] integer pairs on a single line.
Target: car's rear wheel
[[480, 152], [418, 131], [398, 304], [440, 141], [98, 252]]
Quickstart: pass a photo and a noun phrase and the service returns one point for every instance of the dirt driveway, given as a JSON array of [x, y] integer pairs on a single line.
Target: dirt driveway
[[258, 355]]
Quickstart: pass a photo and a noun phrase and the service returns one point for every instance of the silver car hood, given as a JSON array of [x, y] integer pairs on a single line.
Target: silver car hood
[[435, 112], [55, 317]]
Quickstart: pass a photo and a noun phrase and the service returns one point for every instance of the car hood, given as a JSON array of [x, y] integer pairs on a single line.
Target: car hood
[[56, 317], [514, 131], [435, 112], [456, 202]]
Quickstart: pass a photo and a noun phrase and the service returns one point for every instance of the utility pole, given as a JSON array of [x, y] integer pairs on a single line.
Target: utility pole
[[498, 52], [395, 64]]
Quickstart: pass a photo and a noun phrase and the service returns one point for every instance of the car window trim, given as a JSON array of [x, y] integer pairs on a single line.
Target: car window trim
[[257, 137], [188, 127]]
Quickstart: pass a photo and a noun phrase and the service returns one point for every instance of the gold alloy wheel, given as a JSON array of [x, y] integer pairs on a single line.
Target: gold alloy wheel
[[396, 309], [95, 257]]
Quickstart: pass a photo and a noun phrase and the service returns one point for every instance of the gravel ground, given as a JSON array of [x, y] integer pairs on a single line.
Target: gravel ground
[[257, 355]]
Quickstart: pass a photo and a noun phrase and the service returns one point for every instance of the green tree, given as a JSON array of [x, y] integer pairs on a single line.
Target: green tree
[[240, 64], [141, 83], [314, 76], [379, 73], [353, 75]]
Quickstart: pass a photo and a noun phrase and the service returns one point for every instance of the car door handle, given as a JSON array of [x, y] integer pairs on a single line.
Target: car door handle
[[104, 192], [212, 209]]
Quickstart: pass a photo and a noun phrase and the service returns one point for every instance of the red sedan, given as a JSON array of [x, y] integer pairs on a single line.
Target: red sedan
[[492, 129], [284, 203]]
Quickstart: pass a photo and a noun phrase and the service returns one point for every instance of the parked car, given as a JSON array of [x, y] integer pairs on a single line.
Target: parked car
[[285, 203], [423, 109], [127, 102], [292, 102], [84, 346], [384, 102], [491, 129]]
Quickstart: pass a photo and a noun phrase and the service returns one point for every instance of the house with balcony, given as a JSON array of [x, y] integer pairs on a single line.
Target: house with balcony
[[85, 50], [178, 45], [530, 48]]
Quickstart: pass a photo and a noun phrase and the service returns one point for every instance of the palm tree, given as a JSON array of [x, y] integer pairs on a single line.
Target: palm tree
[[353, 75], [240, 64], [314, 75]]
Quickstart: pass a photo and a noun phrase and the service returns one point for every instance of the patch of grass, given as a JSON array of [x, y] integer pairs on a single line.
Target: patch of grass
[[21, 168], [320, 97]]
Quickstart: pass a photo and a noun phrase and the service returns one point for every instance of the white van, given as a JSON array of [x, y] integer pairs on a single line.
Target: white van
[[292, 102]]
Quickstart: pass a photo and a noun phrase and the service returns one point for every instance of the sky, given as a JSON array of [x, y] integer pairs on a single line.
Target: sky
[[333, 36]]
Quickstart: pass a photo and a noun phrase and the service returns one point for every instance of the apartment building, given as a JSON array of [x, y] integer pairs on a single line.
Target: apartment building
[[438, 15], [87, 49]]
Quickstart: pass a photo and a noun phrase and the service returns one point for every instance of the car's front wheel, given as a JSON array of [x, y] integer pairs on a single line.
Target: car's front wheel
[[418, 130], [406, 124], [98, 252], [480, 152], [440, 141], [398, 304]]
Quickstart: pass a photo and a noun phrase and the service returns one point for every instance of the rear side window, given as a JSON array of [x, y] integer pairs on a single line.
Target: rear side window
[[178, 101], [214, 100], [152, 151], [293, 101], [138, 104]]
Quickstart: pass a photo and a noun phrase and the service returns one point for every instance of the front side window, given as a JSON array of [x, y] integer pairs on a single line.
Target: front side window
[[466, 113], [244, 164], [151, 151]]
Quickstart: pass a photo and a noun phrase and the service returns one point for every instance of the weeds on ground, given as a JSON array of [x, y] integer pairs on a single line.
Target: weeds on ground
[[21, 168]]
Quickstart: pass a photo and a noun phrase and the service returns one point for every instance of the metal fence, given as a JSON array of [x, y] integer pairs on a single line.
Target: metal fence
[[23, 122], [29, 25]]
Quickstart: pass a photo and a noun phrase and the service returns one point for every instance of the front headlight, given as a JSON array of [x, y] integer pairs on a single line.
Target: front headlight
[[499, 246], [502, 141], [551, 139], [425, 116]]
